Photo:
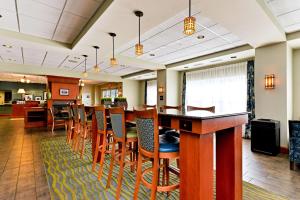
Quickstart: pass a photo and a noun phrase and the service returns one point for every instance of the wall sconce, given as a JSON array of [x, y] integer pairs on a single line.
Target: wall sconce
[[161, 89], [270, 81], [120, 94]]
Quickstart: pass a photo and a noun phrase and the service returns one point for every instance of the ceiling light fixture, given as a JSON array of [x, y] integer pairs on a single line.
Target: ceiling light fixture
[[189, 22], [25, 80], [113, 60], [96, 67], [85, 74], [139, 47], [81, 83], [200, 37]]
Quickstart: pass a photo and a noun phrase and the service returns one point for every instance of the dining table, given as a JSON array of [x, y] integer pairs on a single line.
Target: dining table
[[197, 132]]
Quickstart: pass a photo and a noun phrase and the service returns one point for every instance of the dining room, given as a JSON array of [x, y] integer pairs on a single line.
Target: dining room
[[104, 99]]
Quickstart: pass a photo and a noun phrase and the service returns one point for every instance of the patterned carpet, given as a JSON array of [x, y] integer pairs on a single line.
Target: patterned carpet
[[70, 177]]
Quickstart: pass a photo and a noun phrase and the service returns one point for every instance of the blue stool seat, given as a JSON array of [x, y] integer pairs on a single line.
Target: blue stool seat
[[168, 143]]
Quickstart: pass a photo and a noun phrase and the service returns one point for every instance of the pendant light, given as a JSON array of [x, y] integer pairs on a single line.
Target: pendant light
[[113, 60], [85, 74], [189, 22], [139, 46], [96, 67]]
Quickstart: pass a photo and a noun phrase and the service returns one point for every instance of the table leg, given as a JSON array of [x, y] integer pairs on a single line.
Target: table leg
[[229, 164], [196, 166]]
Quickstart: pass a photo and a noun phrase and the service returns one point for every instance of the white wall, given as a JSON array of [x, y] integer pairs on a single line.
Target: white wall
[[274, 103], [296, 84], [131, 90], [88, 95]]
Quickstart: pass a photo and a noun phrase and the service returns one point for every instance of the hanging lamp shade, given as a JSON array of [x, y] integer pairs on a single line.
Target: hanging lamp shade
[[139, 49], [189, 23], [96, 67], [21, 91], [85, 74], [113, 60]]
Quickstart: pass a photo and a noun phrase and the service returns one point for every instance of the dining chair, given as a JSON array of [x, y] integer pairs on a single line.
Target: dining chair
[[169, 131], [209, 109], [125, 137], [76, 124], [104, 133], [153, 147], [56, 120], [149, 106], [165, 107]]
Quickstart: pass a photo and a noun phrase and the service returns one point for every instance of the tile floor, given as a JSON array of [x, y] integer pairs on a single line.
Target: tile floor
[[22, 173]]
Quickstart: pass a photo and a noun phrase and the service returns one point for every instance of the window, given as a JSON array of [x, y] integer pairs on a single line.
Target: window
[[112, 93], [223, 87], [151, 92]]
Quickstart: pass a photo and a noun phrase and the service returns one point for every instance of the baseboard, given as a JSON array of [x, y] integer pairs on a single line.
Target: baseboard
[[284, 150]]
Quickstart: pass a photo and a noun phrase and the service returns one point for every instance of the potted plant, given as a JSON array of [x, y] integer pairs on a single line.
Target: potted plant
[[121, 101], [106, 101]]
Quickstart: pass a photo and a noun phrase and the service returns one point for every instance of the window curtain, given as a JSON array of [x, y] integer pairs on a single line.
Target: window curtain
[[224, 87], [151, 92], [250, 97], [183, 90]]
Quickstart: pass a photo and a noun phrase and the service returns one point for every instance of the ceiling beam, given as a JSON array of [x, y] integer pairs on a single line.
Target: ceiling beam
[[137, 74]]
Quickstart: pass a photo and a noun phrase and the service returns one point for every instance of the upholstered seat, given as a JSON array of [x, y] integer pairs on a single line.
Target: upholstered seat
[[131, 132], [168, 143]]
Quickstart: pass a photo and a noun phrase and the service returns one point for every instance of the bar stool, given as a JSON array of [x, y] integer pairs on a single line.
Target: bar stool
[[76, 125], [104, 133], [70, 124], [209, 109], [124, 137], [152, 147], [169, 131], [84, 130]]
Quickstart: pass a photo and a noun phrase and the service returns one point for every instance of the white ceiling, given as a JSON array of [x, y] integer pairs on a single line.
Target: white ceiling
[[33, 28], [17, 78], [287, 12]]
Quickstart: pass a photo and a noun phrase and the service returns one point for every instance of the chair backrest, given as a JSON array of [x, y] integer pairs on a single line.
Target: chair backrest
[[149, 106], [70, 112], [50, 110], [82, 115], [74, 108], [100, 118], [172, 107], [117, 117], [210, 109], [147, 130]]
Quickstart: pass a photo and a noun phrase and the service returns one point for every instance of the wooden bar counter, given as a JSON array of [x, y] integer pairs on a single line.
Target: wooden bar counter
[[197, 129]]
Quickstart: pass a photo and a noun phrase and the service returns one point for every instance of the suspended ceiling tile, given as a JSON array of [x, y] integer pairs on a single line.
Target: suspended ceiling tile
[[8, 5], [8, 20], [38, 11], [280, 7], [58, 4], [33, 56], [72, 21], [64, 34], [53, 59], [36, 27], [84, 8]]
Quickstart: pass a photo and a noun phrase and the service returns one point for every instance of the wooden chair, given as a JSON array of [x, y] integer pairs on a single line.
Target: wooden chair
[[151, 147], [165, 107], [57, 120], [124, 137], [76, 124], [84, 130], [103, 138], [209, 109]]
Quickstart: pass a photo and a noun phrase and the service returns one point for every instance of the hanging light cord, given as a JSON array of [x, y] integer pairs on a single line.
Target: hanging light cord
[[85, 64], [96, 57], [139, 30], [190, 8], [113, 47]]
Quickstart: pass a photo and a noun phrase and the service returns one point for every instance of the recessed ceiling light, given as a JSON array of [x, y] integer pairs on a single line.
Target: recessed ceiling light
[[152, 54], [199, 37], [7, 46], [233, 57], [186, 67], [0, 16], [76, 58], [9, 59], [122, 65]]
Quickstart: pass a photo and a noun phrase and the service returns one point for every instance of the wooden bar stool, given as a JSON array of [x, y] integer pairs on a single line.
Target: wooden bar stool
[[149, 106], [84, 130], [76, 124], [104, 133], [209, 109], [150, 146], [124, 137], [70, 124]]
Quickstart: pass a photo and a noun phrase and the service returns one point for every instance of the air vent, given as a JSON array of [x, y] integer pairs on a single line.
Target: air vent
[[217, 60], [72, 61]]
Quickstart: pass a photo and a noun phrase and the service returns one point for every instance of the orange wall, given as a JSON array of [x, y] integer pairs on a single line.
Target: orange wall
[[73, 90]]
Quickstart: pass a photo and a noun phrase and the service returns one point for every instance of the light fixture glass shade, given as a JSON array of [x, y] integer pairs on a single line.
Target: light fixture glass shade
[[21, 91], [85, 74], [113, 62], [22, 80], [269, 81], [189, 25], [139, 49], [96, 68], [27, 81]]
